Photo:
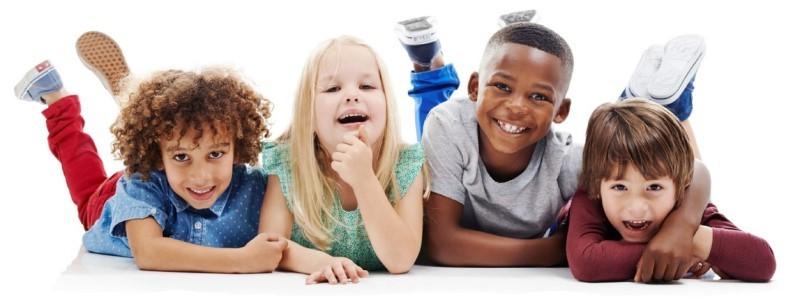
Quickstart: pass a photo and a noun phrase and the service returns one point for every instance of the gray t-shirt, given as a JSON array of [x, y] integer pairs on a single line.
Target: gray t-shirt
[[523, 207]]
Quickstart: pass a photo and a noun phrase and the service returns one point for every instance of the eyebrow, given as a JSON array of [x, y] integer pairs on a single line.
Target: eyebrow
[[177, 148]]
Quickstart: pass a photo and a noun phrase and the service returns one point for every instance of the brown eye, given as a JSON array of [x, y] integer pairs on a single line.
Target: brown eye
[[618, 187], [216, 154], [655, 187], [332, 89], [181, 157]]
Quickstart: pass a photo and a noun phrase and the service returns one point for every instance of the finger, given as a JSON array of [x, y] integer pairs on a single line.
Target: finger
[[340, 273], [329, 275], [362, 133], [683, 268], [362, 273], [659, 269], [343, 147], [646, 269], [671, 272], [338, 156], [336, 166], [351, 272], [281, 244], [638, 276], [350, 138], [271, 237], [703, 270], [314, 278]]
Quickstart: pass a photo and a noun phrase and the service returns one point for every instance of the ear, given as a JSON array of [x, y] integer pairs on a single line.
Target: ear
[[563, 111], [472, 86]]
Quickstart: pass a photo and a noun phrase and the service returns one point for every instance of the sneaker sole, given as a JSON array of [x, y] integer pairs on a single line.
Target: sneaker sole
[[417, 31], [682, 57], [644, 72], [525, 16], [103, 56]]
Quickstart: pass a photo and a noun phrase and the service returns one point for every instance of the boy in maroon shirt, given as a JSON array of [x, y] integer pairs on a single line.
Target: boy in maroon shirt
[[637, 164]]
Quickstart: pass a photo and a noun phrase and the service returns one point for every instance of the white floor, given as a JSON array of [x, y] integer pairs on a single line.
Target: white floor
[[101, 274]]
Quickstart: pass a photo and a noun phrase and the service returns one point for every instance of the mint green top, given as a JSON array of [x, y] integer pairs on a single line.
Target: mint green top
[[350, 237]]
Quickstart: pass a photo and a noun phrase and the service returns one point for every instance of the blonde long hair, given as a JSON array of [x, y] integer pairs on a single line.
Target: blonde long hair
[[313, 207]]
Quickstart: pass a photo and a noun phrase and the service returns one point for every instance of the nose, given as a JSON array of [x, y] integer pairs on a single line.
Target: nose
[[637, 208], [517, 106], [199, 173], [354, 99]]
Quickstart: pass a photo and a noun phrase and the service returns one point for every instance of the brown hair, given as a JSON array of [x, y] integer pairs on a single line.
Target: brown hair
[[638, 132], [175, 99]]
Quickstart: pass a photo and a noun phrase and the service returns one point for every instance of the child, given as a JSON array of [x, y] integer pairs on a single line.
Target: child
[[188, 201], [636, 167], [341, 184], [499, 174]]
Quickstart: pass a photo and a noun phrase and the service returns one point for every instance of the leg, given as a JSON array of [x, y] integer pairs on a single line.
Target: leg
[[82, 167]]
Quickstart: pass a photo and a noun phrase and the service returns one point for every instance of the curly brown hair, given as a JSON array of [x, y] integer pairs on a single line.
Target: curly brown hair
[[175, 99]]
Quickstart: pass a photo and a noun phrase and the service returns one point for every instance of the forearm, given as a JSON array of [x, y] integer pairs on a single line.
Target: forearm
[[603, 260], [297, 258], [689, 213], [167, 254], [465, 247], [395, 242], [740, 255]]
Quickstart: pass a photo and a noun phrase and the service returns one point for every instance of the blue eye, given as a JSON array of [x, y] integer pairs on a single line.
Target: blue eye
[[181, 157], [216, 154]]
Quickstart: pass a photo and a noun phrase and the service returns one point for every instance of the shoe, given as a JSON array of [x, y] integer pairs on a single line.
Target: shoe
[[643, 74], [518, 17], [42, 79], [682, 57], [419, 38], [103, 56]]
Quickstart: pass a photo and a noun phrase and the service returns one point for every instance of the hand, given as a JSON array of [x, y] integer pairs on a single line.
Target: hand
[[667, 257], [353, 158], [699, 269], [340, 270], [262, 253]]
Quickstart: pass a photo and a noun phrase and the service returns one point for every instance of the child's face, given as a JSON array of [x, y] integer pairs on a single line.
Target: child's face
[[198, 173], [636, 206], [519, 93], [349, 94]]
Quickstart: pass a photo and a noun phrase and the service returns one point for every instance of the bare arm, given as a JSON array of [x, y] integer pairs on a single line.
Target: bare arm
[[668, 256], [152, 251], [450, 244], [394, 232]]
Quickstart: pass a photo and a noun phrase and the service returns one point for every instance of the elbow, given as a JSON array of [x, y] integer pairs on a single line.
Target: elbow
[[399, 268], [581, 268], [144, 258]]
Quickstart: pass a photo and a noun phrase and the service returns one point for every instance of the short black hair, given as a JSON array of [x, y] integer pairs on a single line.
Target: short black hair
[[536, 36]]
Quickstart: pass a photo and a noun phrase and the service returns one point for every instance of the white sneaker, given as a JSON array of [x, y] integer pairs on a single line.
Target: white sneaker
[[518, 17], [682, 57], [644, 72]]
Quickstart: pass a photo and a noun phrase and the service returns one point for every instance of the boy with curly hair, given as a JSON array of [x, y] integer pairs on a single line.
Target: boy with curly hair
[[188, 199]]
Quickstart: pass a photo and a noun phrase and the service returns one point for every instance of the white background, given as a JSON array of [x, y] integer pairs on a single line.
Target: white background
[[745, 113]]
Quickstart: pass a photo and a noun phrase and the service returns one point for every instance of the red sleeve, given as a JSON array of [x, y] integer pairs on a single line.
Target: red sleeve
[[594, 249], [738, 254]]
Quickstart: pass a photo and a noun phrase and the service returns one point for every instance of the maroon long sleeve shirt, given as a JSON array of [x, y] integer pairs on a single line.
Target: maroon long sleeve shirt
[[596, 251]]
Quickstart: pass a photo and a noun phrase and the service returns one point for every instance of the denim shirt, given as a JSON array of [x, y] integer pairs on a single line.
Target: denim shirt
[[230, 222]]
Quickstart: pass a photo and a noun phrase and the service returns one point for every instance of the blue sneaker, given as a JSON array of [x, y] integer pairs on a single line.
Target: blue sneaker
[[42, 79], [518, 17], [419, 38]]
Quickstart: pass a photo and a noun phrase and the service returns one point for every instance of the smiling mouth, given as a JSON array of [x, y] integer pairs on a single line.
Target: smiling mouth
[[352, 118], [509, 128], [202, 194], [637, 225]]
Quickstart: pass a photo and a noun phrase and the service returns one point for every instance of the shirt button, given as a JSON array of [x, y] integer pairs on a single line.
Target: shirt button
[[198, 225]]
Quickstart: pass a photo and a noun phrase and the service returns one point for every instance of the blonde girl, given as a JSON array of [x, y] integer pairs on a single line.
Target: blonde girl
[[342, 186]]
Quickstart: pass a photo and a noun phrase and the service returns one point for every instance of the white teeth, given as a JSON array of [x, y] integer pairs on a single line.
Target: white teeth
[[510, 128], [352, 115], [201, 191]]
